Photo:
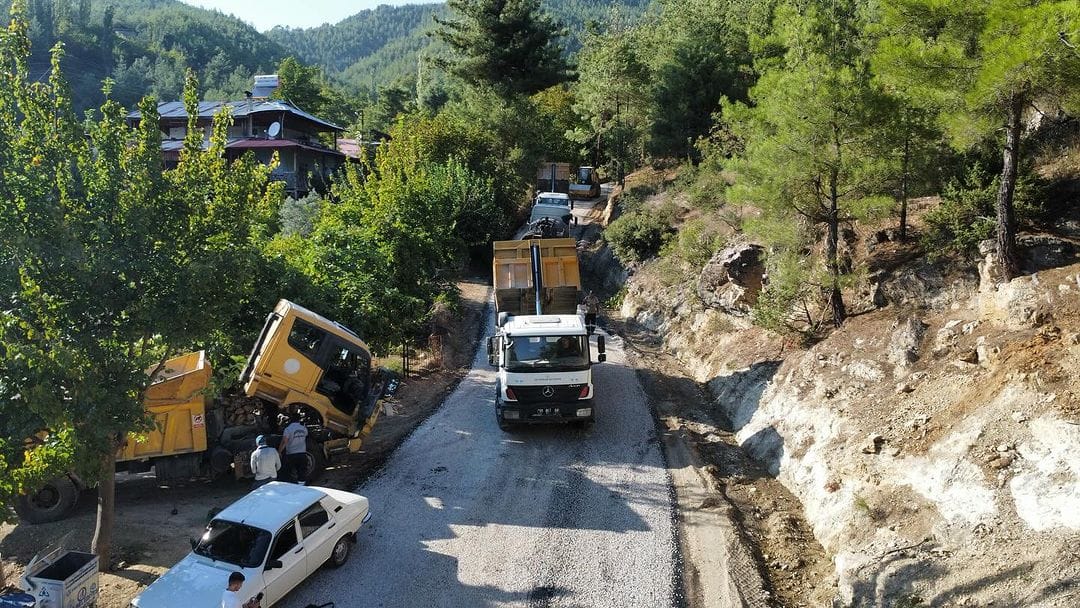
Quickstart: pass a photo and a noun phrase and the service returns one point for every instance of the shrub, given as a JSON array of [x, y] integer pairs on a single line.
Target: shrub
[[639, 235], [298, 216], [696, 242], [967, 212]]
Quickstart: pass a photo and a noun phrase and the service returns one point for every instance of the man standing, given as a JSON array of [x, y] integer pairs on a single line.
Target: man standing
[[592, 309], [265, 463], [294, 440], [231, 597]]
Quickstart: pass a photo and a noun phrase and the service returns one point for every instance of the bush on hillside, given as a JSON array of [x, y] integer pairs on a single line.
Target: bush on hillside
[[695, 243], [298, 216], [639, 235], [967, 212]]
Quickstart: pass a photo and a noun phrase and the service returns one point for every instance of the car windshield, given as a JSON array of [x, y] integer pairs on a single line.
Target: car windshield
[[547, 353], [545, 200], [237, 544]]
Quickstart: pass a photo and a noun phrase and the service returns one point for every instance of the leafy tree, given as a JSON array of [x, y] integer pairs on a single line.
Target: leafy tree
[[111, 266], [639, 235], [700, 55], [301, 85], [611, 95], [808, 136], [510, 46], [986, 64]]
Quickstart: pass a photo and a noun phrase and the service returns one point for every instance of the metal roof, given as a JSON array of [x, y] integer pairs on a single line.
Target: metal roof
[[175, 109]]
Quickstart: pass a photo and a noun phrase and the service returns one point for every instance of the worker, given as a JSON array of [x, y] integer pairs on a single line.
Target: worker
[[231, 597], [265, 462], [567, 347], [294, 446], [592, 309]]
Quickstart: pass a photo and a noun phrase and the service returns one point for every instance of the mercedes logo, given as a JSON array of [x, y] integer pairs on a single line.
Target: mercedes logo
[[548, 392]]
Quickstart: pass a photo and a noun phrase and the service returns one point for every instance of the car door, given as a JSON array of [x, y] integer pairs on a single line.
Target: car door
[[286, 565], [319, 532]]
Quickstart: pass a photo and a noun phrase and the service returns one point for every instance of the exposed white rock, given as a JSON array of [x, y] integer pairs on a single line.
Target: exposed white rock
[[1046, 486]]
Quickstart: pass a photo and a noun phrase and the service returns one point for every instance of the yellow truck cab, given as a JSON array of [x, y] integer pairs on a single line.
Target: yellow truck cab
[[303, 362]]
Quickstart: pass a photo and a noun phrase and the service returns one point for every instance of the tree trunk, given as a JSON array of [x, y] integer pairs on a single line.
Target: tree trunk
[[836, 299], [1008, 265], [102, 543]]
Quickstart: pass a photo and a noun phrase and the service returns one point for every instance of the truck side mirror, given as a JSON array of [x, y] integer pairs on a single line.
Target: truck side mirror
[[601, 357], [600, 348], [274, 563], [492, 354]]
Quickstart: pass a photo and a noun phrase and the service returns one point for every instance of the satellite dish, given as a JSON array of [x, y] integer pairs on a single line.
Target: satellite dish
[[274, 129]]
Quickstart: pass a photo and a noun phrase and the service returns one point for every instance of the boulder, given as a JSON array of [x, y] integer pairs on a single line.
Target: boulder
[[904, 342], [1041, 251], [732, 279]]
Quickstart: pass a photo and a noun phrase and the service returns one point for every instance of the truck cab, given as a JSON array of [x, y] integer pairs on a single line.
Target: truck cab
[[306, 363], [544, 365]]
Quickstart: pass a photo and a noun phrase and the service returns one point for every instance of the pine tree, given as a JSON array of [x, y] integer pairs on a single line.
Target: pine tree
[[986, 64], [808, 136], [510, 46]]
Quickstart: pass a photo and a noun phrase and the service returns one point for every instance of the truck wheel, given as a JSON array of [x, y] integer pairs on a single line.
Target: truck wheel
[[504, 425], [51, 502], [340, 553], [316, 460]]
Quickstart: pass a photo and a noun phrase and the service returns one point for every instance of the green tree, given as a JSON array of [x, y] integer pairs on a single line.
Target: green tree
[[301, 85], [111, 266], [612, 96], [807, 139], [510, 46], [985, 64]]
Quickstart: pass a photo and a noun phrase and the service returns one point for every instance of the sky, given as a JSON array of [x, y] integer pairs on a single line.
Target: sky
[[265, 14]]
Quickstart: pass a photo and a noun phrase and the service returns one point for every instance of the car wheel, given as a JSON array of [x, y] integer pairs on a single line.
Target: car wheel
[[340, 554], [51, 502]]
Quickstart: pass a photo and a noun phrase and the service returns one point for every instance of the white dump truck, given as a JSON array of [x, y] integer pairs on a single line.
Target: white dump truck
[[542, 347]]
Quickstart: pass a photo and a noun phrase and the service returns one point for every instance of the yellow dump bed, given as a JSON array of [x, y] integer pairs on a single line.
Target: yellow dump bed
[[176, 400], [512, 275]]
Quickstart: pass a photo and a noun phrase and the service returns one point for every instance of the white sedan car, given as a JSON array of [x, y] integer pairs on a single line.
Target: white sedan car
[[276, 536]]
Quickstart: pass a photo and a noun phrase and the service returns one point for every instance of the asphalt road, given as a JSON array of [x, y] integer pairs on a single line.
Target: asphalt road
[[465, 515]]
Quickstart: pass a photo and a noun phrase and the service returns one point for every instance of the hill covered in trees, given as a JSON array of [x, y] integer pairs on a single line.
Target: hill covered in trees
[[145, 46]]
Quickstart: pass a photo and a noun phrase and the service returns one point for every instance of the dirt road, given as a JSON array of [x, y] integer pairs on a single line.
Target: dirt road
[[467, 515]]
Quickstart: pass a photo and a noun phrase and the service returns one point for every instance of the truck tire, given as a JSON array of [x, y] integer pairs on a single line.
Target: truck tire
[[316, 460], [52, 502]]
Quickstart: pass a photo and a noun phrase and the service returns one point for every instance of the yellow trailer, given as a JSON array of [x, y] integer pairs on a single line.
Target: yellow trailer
[[512, 272]]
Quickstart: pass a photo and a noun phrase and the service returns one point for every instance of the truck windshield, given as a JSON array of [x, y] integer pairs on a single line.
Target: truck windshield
[[238, 544], [547, 353]]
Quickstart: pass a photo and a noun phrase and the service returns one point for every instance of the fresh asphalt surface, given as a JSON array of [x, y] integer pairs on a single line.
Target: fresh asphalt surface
[[466, 515]]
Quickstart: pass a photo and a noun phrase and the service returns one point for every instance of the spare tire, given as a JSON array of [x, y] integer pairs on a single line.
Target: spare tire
[[51, 502]]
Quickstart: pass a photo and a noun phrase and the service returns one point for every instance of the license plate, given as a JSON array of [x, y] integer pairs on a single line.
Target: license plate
[[547, 411]]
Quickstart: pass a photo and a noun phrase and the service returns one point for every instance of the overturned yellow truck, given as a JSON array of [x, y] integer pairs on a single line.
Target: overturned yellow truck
[[301, 362]]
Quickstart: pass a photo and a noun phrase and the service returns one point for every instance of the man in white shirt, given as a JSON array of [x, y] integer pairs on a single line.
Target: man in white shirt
[[294, 440], [231, 597], [265, 462]]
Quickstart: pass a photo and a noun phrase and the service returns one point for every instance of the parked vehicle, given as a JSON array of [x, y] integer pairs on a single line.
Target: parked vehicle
[[277, 536], [301, 362], [541, 349], [586, 183], [554, 199]]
